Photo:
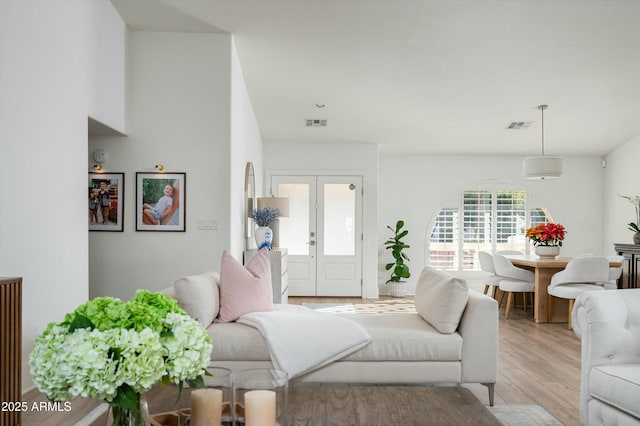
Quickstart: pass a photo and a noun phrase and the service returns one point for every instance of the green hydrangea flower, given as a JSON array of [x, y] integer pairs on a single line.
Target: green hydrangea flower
[[109, 349]]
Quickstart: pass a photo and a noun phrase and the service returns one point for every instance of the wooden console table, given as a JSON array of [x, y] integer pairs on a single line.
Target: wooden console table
[[631, 253]]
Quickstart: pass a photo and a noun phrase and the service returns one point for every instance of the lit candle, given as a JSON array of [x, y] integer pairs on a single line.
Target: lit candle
[[206, 407], [260, 408]]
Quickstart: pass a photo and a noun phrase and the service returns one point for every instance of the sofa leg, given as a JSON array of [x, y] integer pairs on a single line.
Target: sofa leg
[[491, 389]]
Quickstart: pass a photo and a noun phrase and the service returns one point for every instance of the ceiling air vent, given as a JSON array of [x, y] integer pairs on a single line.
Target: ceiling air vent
[[518, 125], [316, 123]]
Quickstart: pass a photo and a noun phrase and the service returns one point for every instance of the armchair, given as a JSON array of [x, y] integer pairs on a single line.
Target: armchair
[[608, 323]]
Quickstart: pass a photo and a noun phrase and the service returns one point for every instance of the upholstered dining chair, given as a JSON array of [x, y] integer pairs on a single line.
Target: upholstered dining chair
[[515, 280], [584, 273], [614, 272], [486, 265]]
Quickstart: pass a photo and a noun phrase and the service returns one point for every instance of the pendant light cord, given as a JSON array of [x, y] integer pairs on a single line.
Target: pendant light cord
[[542, 108]]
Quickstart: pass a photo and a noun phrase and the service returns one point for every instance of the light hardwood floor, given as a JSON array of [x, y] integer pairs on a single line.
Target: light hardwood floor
[[539, 364]]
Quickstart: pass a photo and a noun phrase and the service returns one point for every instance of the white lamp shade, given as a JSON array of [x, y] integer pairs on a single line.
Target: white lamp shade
[[545, 167], [281, 203]]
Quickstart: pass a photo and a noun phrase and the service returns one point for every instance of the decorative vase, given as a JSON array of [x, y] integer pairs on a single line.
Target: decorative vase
[[264, 236], [119, 416], [398, 289], [547, 252], [636, 238]]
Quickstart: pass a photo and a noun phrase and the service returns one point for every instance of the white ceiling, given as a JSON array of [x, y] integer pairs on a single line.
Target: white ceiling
[[429, 76]]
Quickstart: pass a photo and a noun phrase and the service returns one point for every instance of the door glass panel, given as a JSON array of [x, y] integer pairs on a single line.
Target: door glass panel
[[294, 230], [339, 219]]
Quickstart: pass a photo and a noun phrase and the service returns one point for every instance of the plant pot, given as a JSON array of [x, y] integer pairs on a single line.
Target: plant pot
[[398, 289], [547, 252], [264, 236], [636, 238]]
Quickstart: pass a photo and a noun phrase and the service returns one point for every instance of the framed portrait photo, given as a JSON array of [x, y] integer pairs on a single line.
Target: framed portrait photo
[[160, 201], [106, 201]]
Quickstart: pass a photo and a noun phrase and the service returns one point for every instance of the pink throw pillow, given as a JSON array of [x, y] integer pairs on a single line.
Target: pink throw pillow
[[245, 289]]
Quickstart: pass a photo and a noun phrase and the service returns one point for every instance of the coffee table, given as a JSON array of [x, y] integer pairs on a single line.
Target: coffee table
[[320, 405]]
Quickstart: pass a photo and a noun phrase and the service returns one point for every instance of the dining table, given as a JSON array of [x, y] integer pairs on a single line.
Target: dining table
[[544, 269]]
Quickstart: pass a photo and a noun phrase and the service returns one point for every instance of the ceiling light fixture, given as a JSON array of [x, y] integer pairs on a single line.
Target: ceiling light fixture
[[542, 167]]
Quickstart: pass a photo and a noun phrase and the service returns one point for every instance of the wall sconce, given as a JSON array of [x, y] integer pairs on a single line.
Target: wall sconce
[[159, 167], [99, 156]]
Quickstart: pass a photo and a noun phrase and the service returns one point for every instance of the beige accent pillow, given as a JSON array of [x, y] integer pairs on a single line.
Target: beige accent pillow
[[441, 299], [199, 296]]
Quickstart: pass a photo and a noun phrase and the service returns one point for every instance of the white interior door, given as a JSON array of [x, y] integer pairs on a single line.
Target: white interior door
[[323, 234]]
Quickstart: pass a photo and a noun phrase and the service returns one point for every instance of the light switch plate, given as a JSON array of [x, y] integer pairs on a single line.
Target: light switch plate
[[208, 223]]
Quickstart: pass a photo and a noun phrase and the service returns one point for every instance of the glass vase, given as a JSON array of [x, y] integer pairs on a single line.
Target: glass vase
[[119, 416]]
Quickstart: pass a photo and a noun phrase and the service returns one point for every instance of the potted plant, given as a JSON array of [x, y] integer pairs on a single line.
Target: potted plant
[[634, 226], [399, 268], [547, 238], [263, 218], [116, 351]]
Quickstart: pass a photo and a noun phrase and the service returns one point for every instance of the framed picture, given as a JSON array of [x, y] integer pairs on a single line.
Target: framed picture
[[106, 201], [160, 201]]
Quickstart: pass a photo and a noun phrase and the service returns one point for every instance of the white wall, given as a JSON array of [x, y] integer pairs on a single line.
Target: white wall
[[622, 176], [45, 82], [246, 146], [352, 158], [107, 61], [179, 116], [414, 187]]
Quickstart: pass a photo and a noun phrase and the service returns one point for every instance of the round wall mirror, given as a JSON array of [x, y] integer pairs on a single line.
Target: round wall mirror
[[249, 202]]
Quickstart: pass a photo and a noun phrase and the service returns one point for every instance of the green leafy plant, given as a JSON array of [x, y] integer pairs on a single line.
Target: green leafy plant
[[635, 200], [399, 269]]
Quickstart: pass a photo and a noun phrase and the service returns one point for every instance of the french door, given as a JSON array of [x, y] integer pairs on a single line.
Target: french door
[[323, 233]]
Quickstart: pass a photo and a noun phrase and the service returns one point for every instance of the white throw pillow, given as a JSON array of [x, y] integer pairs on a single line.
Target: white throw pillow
[[441, 299], [199, 296]]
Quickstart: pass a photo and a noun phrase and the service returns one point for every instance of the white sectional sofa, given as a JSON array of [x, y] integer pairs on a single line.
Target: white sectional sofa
[[608, 322], [453, 338]]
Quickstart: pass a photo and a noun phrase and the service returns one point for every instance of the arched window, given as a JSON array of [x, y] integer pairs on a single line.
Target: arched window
[[487, 219]]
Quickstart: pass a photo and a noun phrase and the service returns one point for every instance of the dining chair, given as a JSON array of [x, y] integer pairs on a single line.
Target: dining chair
[[515, 280], [486, 265], [582, 274], [614, 272]]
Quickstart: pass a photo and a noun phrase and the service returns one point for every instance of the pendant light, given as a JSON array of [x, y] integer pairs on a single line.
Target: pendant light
[[542, 167]]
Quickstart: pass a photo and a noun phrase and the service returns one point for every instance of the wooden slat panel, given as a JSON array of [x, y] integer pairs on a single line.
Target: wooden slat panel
[[10, 348]]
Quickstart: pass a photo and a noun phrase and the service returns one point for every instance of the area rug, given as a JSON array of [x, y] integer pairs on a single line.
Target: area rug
[[385, 306], [523, 415], [331, 308], [386, 406]]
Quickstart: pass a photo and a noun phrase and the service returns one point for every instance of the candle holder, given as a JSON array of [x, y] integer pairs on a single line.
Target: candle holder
[[216, 378], [260, 397], [220, 378]]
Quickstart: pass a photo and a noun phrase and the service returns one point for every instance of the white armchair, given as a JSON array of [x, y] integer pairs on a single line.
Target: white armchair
[[608, 323]]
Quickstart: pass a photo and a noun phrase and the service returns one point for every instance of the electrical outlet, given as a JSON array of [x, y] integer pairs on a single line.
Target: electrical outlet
[[208, 223]]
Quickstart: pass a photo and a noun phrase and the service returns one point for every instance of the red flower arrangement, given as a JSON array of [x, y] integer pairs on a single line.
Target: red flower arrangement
[[546, 234]]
